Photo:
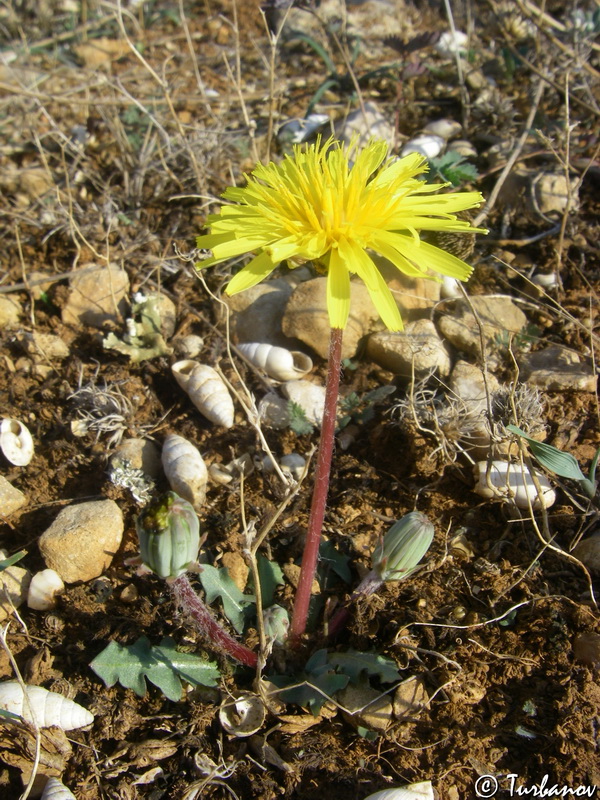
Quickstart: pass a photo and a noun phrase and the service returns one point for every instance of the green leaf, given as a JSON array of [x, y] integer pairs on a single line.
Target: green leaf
[[162, 665], [299, 422], [270, 577], [336, 561], [558, 462], [355, 664], [8, 562], [452, 167], [217, 583], [9, 715]]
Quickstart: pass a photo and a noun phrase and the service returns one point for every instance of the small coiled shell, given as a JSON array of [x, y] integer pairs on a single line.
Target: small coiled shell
[[185, 469], [55, 790], [16, 442], [44, 708], [206, 390], [243, 716], [43, 590], [277, 362]]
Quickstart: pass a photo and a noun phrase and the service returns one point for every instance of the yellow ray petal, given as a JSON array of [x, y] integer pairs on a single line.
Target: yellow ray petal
[[428, 256], [338, 291], [358, 261], [254, 272]]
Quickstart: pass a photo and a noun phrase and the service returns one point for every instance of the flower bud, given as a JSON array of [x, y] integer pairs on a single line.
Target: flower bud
[[169, 534], [403, 546], [277, 622]]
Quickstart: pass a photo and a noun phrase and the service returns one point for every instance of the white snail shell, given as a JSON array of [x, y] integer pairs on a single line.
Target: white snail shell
[[414, 791], [185, 469], [277, 362], [206, 390], [44, 588], [242, 716], [16, 442], [513, 482], [55, 790], [44, 708]]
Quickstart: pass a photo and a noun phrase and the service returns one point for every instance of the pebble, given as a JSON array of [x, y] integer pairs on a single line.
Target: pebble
[[45, 345], [14, 586], [257, 313], [557, 369], [370, 124], [138, 454], [588, 552], [586, 648], [498, 315], [306, 317], [83, 539], [367, 707], [309, 396], [410, 698], [97, 297], [11, 498], [236, 567], [417, 348], [551, 191], [467, 385], [10, 311], [189, 346]]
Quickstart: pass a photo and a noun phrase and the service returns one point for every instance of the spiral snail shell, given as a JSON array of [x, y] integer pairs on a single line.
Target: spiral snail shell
[[206, 390], [185, 469], [55, 790], [44, 708], [277, 362]]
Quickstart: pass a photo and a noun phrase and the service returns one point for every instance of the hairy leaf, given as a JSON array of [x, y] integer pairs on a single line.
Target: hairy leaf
[[356, 665], [218, 583], [163, 665]]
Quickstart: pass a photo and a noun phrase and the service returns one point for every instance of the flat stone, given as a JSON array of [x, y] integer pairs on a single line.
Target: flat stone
[[45, 345], [11, 498], [14, 585], [83, 540], [410, 698], [97, 297], [258, 312], [557, 369], [10, 311], [417, 348], [306, 316], [366, 707], [498, 316]]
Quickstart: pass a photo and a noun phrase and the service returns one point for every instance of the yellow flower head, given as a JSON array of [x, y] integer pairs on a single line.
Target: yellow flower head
[[318, 206]]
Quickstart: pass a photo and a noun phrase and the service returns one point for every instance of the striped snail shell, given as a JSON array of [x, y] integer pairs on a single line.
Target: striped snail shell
[[44, 708], [185, 469], [206, 390], [277, 362], [55, 790]]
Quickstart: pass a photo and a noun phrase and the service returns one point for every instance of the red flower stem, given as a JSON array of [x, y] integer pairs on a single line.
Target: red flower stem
[[207, 625], [320, 489]]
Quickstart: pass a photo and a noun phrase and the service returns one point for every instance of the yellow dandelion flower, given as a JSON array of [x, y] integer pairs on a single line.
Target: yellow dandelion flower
[[319, 206]]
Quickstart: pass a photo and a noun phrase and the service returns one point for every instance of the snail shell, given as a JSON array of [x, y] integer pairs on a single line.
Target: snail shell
[[44, 588], [185, 469], [513, 482], [243, 716], [414, 791], [206, 390], [16, 442], [44, 708], [55, 790], [277, 362]]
